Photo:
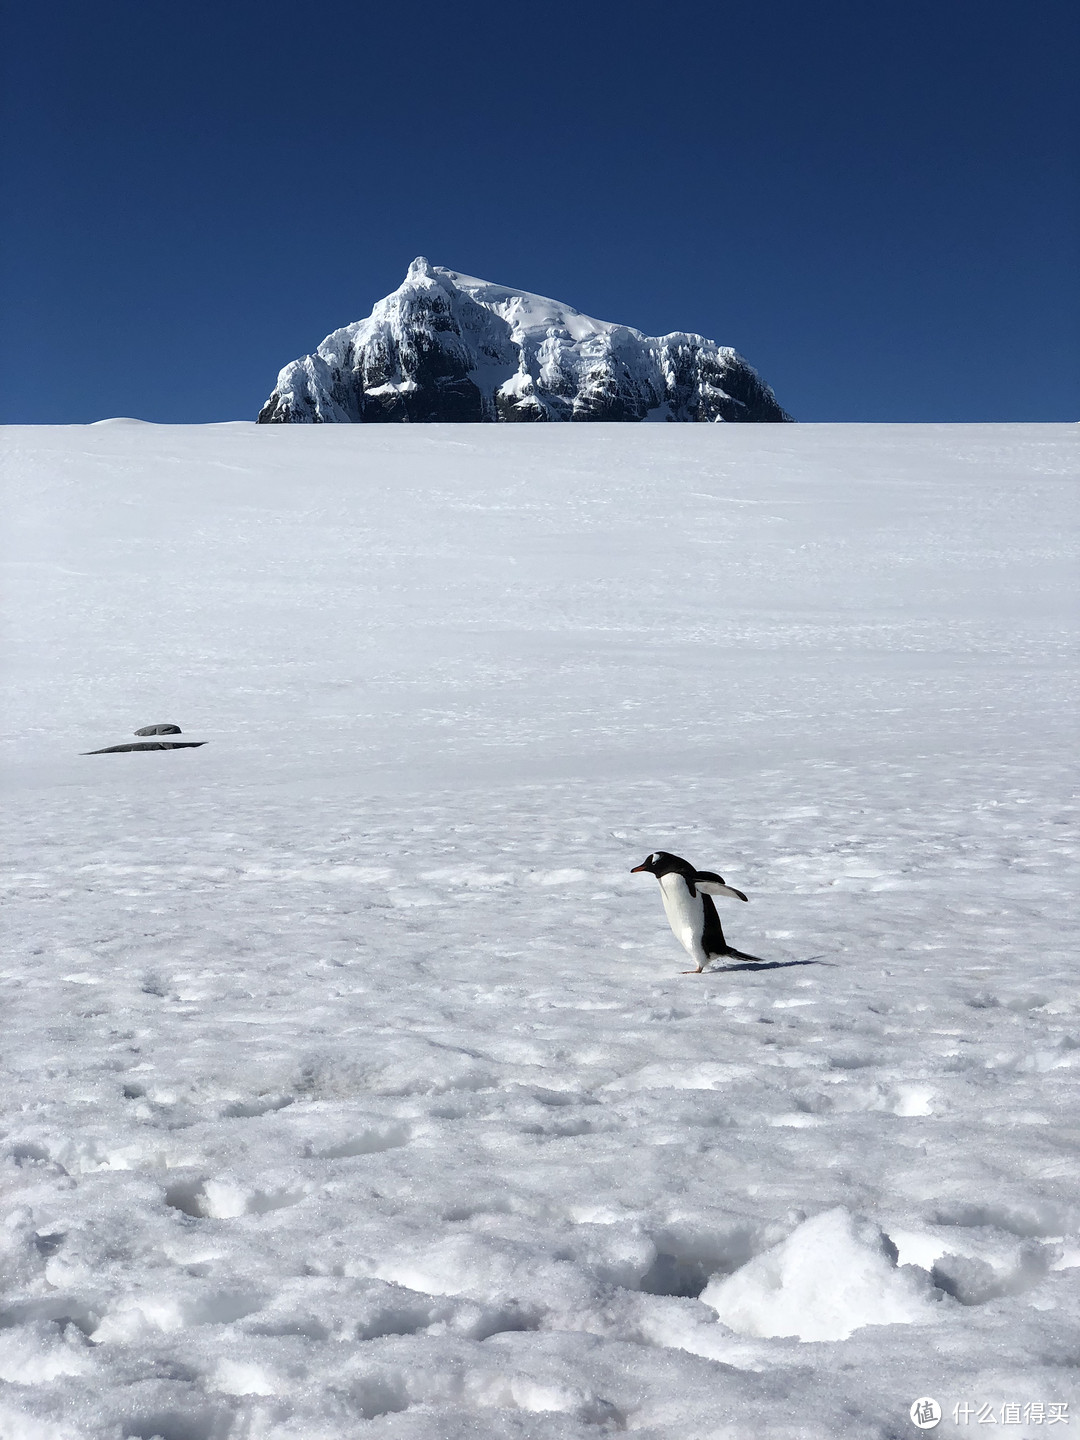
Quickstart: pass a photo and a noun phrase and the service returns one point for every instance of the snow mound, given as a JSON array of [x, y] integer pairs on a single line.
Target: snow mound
[[829, 1278]]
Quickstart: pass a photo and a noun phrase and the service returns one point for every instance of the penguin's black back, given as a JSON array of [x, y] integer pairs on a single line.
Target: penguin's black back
[[712, 937]]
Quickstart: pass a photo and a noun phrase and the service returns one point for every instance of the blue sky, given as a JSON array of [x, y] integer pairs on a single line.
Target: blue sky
[[876, 204]]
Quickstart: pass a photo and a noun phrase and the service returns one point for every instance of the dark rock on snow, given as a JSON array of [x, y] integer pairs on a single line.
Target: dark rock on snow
[[159, 730], [148, 745]]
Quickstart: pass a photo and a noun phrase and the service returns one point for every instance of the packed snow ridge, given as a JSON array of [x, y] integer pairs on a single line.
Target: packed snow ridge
[[449, 347]]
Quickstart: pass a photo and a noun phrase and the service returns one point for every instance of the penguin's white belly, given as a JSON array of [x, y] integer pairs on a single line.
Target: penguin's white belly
[[685, 913]]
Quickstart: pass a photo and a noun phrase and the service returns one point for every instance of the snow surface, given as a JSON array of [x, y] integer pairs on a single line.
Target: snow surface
[[527, 314], [351, 1085]]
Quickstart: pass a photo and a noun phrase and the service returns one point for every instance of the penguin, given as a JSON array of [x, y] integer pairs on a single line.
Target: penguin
[[687, 894]]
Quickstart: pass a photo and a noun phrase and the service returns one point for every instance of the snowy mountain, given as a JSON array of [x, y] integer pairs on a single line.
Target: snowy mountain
[[449, 347]]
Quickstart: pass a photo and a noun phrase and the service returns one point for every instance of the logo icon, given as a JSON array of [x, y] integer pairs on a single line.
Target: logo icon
[[925, 1413]]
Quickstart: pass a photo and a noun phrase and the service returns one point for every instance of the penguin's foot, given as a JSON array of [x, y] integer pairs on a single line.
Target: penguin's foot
[[698, 971]]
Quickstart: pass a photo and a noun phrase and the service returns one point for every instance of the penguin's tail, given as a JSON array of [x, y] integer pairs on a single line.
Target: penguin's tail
[[742, 955]]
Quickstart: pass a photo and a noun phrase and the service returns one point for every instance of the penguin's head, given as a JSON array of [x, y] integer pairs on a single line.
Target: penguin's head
[[662, 862]]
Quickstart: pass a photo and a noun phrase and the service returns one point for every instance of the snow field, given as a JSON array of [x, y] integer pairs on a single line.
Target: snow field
[[350, 1082]]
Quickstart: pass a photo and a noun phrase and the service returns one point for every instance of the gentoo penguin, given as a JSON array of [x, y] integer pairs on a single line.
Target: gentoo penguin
[[687, 895]]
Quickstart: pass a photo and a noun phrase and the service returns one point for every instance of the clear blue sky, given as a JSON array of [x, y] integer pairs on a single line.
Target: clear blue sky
[[876, 203]]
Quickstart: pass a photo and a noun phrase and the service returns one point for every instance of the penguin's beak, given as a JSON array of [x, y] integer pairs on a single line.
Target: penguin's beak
[[638, 868]]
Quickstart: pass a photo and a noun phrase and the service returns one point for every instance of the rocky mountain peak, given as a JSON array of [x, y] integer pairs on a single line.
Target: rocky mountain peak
[[450, 347]]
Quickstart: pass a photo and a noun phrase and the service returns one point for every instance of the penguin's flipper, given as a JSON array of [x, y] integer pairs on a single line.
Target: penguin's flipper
[[709, 883]]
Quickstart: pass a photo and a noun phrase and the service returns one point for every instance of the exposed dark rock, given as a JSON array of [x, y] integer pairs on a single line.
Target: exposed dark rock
[[148, 745], [159, 730]]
